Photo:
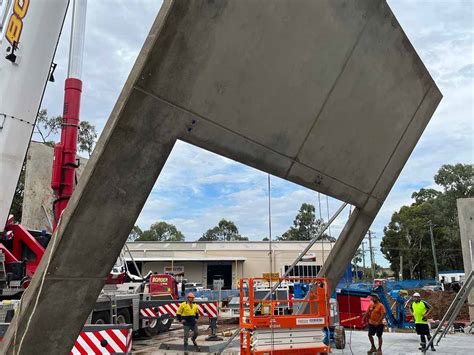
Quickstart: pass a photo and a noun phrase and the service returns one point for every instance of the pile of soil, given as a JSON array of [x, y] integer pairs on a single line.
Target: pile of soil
[[440, 300]]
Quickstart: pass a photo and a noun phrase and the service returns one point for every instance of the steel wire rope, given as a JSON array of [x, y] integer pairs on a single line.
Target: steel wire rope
[[270, 252], [322, 237], [45, 272]]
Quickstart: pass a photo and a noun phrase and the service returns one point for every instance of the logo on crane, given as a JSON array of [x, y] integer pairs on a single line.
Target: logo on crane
[[15, 23]]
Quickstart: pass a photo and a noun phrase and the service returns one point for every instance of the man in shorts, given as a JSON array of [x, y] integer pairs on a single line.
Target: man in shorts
[[421, 311], [375, 315]]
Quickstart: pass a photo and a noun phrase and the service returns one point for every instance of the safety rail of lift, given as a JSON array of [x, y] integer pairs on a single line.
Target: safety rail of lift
[[277, 324]]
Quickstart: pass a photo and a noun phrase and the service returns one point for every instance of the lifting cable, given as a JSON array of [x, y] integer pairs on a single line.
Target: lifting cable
[[327, 208], [270, 253], [321, 218]]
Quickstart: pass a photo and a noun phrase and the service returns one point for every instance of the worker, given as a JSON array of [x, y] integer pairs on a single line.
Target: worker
[[188, 314], [421, 310], [375, 314]]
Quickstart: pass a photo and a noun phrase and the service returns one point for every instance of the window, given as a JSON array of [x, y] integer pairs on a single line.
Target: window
[[303, 270]]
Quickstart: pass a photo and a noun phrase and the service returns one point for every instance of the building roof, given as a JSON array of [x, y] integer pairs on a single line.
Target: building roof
[[230, 245], [200, 258], [215, 251], [452, 272]]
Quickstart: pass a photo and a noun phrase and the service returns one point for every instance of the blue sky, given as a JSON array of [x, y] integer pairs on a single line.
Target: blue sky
[[197, 188]]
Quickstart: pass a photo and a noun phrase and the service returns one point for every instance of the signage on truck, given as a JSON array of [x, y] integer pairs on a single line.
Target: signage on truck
[[159, 280]]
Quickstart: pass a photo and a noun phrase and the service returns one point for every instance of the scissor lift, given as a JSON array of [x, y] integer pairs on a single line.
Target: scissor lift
[[266, 329]]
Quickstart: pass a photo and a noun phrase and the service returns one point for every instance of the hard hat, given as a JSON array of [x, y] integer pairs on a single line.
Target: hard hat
[[416, 294], [190, 295], [374, 295]]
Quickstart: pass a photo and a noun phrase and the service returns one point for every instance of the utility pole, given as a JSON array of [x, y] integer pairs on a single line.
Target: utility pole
[[371, 251], [433, 250], [401, 267], [363, 260]]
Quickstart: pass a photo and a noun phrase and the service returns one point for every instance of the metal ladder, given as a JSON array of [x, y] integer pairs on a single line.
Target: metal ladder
[[3, 272], [453, 310]]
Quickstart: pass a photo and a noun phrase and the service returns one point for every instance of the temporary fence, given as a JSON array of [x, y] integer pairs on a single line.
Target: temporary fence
[[391, 285]]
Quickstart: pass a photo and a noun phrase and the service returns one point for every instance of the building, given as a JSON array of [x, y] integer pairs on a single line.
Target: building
[[205, 262], [451, 276]]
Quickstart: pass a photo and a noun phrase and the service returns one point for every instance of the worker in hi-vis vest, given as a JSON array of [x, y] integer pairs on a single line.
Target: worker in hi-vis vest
[[421, 311], [188, 314]]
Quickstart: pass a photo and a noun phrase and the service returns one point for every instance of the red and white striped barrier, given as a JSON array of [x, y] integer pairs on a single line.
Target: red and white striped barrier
[[106, 341], [210, 310]]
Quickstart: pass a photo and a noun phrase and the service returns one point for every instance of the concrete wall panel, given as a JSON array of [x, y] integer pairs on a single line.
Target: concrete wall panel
[[269, 72], [38, 196]]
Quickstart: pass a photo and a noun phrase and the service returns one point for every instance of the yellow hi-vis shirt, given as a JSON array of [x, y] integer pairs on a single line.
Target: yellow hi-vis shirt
[[419, 309], [185, 310]]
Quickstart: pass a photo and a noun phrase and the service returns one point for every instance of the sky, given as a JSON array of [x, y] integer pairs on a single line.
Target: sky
[[198, 188]]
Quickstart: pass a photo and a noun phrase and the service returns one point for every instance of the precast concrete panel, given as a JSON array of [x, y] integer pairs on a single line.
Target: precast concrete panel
[[327, 94]]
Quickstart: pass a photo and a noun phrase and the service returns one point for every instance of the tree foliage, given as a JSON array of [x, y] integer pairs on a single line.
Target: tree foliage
[[224, 231], [408, 233], [46, 126], [158, 232], [87, 137], [305, 225]]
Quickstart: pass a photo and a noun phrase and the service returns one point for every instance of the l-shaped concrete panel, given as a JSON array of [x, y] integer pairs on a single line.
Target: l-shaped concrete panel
[[328, 94]]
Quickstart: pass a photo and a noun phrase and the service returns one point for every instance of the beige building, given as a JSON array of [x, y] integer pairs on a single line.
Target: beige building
[[205, 262]]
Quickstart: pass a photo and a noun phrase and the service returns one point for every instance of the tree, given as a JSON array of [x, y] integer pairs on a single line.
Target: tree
[[357, 257], [87, 137], [161, 232], [47, 126], [305, 225], [356, 260], [408, 235], [135, 233], [225, 231]]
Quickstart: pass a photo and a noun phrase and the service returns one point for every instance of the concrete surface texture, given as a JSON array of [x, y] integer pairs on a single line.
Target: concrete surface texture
[[357, 344], [38, 196], [466, 229], [406, 344], [393, 344], [327, 94]]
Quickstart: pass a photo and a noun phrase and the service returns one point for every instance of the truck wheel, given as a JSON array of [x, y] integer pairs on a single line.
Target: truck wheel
[[100, 318], [123, 316], [165, 324], [339, 337], [152, 329]]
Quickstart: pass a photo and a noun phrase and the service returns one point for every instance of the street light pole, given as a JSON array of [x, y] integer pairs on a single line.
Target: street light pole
[[433, 250]]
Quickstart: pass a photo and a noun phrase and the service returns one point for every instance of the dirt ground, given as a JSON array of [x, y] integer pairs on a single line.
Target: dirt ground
[[440, 300]]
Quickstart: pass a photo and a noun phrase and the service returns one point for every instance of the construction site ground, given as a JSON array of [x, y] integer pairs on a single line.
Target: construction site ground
[[440, 300], [395, 343]]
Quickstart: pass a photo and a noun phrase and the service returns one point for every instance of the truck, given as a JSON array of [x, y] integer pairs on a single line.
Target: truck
[[29, 33]]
